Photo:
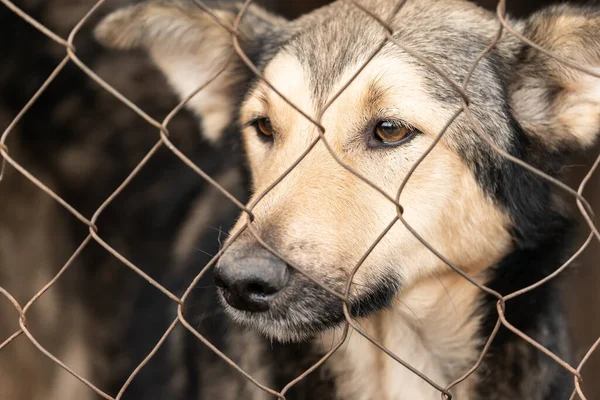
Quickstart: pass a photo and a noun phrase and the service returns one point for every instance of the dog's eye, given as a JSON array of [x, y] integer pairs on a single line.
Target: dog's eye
[[263, 127], [393, 132]]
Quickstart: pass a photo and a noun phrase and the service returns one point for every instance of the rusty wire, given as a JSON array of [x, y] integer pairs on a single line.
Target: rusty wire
[[163, 140]]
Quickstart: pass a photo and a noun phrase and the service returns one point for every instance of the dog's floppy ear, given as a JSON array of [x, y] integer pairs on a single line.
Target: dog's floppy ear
[[556, 103], [190, 47]]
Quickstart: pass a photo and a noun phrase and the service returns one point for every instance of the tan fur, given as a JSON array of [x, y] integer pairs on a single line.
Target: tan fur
[[579, 108], [574, 115], [429, 327]]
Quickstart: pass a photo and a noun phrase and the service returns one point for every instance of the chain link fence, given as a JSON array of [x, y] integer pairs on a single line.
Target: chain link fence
[[163, 140]]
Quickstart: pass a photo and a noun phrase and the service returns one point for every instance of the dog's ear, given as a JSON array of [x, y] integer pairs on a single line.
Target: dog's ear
[[190, 47], [556, 103]]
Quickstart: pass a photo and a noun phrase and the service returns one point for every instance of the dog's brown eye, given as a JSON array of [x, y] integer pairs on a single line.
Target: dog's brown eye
[[393, 132], [263, 126]]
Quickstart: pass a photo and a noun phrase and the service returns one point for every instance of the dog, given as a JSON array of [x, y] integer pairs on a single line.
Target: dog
[[501, 224]]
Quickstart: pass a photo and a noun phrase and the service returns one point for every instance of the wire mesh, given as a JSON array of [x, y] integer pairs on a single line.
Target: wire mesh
[[163, 140]]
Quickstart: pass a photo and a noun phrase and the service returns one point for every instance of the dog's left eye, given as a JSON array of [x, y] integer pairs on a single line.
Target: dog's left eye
[[390, 132]]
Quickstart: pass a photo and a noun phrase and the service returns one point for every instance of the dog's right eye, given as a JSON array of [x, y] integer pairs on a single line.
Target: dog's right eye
[[391, 133], [263, 128]]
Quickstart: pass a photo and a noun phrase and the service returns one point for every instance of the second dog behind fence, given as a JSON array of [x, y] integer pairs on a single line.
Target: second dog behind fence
[[331, 223], [392, 165]]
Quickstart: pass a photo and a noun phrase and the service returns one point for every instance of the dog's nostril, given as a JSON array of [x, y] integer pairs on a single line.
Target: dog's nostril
[[256, 288], [219, 282], [261, 288]]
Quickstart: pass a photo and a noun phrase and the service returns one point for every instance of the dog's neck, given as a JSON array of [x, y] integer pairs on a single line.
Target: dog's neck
[[439, 326], [431, 327]]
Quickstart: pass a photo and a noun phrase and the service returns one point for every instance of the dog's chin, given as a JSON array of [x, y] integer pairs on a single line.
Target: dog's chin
[[288, 330], [308, 310]]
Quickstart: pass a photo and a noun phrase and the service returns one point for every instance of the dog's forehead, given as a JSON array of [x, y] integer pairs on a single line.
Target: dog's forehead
[[336, 40]]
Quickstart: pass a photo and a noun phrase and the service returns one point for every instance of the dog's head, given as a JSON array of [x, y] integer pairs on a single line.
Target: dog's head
[[468, 202]]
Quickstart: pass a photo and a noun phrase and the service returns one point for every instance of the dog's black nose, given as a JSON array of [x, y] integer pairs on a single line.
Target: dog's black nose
[[250, 281]]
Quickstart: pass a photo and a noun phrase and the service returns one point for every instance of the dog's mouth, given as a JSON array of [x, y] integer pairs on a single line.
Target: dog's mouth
[[301, 309]]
